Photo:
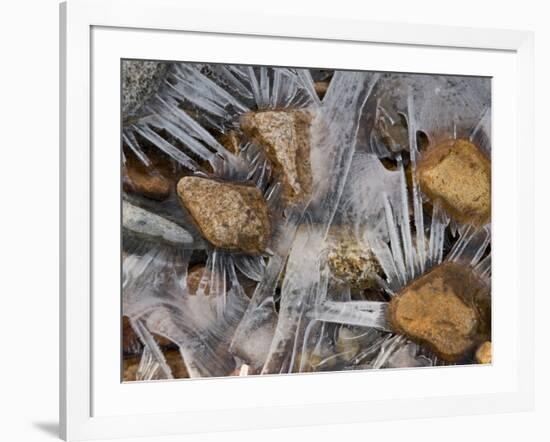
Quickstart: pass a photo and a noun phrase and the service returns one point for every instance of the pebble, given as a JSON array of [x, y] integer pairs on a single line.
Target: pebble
[[447, 309], [285, 136], [458, 174], [230, 216], [484, 353]]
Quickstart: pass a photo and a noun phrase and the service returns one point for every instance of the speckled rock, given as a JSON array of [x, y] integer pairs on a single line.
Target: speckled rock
[[284, 134], [484, 353], [140, 81], [352, 262], [447, 309], [230, 216], [458, 174]]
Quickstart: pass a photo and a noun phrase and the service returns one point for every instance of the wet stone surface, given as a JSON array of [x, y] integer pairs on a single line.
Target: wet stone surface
[[284, 134], [230, 216], [148, 183], [155, 181], [446, 309], [458, 174], [352, 262]]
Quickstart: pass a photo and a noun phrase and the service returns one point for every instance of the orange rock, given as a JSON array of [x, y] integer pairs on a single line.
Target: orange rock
[[447, 309], [458, 174]]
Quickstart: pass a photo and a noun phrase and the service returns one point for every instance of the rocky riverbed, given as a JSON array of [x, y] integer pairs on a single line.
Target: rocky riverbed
[[289, 220]]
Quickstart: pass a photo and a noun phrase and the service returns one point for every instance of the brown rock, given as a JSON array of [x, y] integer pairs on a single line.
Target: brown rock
[[484, 353], [148, 184], [284, 134], [458, 174], [230, 216], [447, 309], [150, 181]]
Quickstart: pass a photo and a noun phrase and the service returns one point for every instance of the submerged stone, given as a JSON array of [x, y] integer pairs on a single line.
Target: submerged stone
[[149, 183], [458, 174], [447, 309], [352, 262], [230, 216], [285, 136]]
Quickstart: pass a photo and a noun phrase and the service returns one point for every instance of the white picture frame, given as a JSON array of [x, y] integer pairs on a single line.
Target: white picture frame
[[93, 407]]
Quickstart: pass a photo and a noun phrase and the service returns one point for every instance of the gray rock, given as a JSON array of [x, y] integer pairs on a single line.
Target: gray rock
[[140, 81], [142, 223]]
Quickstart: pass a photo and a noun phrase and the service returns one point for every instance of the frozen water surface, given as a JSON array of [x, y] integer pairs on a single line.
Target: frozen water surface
[[224, 312]]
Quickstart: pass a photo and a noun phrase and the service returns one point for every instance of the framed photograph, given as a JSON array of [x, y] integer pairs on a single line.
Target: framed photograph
[[326, 221]]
